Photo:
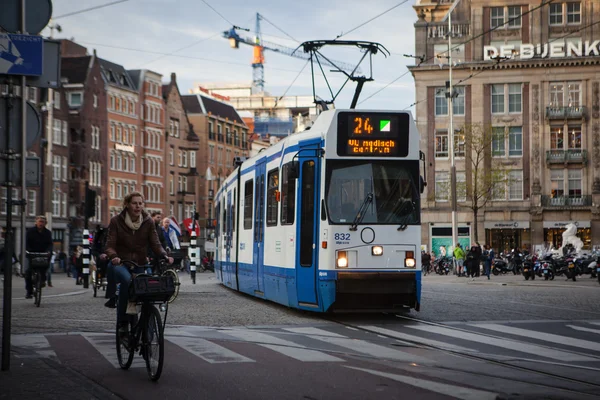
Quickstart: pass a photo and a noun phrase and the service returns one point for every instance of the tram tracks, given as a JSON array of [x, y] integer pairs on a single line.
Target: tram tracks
[[595, 386]]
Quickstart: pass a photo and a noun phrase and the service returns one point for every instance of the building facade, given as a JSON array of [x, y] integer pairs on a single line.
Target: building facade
[[529, 73], [124, 150], [223, 136], [182, 152]]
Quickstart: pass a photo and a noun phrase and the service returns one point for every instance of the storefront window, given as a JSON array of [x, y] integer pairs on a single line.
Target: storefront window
[[553, 236]]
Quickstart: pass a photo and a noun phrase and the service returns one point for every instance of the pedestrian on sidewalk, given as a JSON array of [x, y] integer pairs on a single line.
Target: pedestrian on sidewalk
[[459, 255], [489, 259]]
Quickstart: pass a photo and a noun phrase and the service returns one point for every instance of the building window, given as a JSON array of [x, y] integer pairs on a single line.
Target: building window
[[192, 159], [179, 183], [497, 99], [514, 17], [112, 132], [442, 184], [498, 139], [515, 141], [171, 184], [459, 144], [75, 99], [515, 185], [515, 98], [574, 142], [95, 101], [556, 14], [171, 156], [248, 200], [556, 94], [65, 162], [497, 17], [56, 161], [185, 158], [176, 128], [119, 134], [575, 185], [272, 194], [56, 132], [505, 17], [441, 144], [132, 164], [211, 154], [458, 103], [57, 99], [125, 135], [461, 186], [557, 182], [441, 103], [119, 162], [31, 203], [573, 13]]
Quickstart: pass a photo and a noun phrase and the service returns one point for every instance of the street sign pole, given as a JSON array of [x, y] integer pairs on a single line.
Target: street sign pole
[[8, 244], [23, 143]]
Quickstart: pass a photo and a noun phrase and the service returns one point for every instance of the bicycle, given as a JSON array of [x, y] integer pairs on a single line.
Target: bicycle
[[38, 262], [146, 330], [168, 270], [98, 279]]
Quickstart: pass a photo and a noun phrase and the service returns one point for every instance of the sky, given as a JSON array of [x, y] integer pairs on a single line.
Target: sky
[[185, 37]]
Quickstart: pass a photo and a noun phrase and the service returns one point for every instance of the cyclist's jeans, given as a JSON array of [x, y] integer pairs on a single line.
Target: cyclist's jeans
[[28, 273], [111, 285], [123, 276]]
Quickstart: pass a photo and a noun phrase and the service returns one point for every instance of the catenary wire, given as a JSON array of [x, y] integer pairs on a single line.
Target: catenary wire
[[463, 43], [370, 20], [89, 9]]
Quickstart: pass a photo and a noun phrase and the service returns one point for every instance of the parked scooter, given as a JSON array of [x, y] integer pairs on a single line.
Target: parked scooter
[[528, 268], [500, 266], [547, 270]]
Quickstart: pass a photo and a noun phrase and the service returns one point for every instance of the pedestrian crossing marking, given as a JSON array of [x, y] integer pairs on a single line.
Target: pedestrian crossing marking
[[105, 344], [303, 354], [285, 347], [313, 331], [373, 350], [546, 337], [207, 350], [458, 392], [418, 339], [582, 329], [513, 345], [39, 343]]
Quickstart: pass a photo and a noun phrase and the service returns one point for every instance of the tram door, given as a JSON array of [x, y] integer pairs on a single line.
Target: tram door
[[227, 271], [259, 223], [308, 220]]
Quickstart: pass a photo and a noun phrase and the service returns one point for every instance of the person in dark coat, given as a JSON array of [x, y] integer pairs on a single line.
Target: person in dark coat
[[478, 258], [37, 240]]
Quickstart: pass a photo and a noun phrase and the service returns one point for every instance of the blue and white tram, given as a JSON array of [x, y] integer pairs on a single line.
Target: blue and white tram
[[327, 219]]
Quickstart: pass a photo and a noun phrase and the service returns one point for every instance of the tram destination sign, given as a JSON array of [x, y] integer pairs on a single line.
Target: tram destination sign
[[373, 134]]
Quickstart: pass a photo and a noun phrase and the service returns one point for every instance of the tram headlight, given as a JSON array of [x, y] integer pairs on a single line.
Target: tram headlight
[[409, 260], [377, 250], [342, 259]]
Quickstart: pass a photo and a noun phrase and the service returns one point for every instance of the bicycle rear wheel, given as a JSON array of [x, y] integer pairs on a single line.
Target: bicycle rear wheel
[[124, 353], [37, 295], [154, 343], [175, 282]]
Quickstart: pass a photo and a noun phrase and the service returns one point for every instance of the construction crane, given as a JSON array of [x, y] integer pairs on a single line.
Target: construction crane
[[258, 60]]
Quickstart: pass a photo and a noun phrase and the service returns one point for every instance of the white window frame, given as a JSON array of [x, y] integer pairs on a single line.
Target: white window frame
[[515, 131], [515, 185], [72, 95], [498, 94], [441, 186], [65, 163], [441, 153], [31, 203], [441, 102], [515, 91], [192, 159]]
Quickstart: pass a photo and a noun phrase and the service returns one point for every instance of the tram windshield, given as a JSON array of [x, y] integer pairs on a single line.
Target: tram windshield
[[392, 183]]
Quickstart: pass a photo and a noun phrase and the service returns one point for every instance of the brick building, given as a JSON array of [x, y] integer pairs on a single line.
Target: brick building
[[151, 140], [182, 152], [223, 136]]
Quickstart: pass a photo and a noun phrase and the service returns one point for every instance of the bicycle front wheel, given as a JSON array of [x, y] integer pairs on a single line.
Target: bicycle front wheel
[[154, 344], [125, 350], [176, 282], [37, 299]]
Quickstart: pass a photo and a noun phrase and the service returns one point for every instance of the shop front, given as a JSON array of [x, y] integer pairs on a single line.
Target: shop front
[[504, 236], [553, 231], [441, 236]]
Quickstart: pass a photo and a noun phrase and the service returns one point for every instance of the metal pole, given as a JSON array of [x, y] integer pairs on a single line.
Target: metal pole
[[193, 250], [23, 146], [8, 245], [451, 136], [86, 241], [48, 176]]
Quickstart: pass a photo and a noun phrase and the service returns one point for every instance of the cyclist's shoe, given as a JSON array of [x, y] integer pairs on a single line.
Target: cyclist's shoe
[[50, 284], [111, 303], [28, 296]]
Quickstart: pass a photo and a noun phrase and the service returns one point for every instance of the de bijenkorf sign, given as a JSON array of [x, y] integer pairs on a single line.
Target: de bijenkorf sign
[[21, 54]]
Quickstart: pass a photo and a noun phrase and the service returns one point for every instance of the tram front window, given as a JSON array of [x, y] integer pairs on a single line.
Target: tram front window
[[395, 195]]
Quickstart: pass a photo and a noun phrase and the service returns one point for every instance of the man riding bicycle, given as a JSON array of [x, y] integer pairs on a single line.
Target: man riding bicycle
[[37, 240], [129, 235]]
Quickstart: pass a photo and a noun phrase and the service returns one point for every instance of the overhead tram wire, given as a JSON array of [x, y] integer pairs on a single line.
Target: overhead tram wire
[[279, 29], [291, 84], [493, 66], [218, 13], [89, 9], [545, 3], [370, 20]]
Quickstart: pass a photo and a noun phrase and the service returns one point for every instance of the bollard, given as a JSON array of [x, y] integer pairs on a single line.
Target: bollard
[[193, 250], [86, 258]]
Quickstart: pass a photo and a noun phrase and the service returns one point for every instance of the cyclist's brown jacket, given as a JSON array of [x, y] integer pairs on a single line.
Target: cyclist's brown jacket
[[127, 244]]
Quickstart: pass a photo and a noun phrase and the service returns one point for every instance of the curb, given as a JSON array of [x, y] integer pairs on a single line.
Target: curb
[[528, 284]]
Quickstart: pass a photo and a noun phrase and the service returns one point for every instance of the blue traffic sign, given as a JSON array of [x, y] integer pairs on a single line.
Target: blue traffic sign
[[21, 54]]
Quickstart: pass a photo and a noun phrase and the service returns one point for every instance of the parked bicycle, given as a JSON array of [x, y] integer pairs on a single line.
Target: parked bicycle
[[38, 262], [146, 332]]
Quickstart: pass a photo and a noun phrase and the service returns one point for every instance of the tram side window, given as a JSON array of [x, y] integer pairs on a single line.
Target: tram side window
[[233, 205], [288, 196], [248, 202], [273, 188]]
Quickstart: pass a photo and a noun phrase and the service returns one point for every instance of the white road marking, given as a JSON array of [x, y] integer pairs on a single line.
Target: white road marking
[[446, 389], [504, 343], [546, 337], [374, 350], [39, 344], [579, 328], [282, 346], [312, 331], [208, 351], [418, 339], [105, 344]]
